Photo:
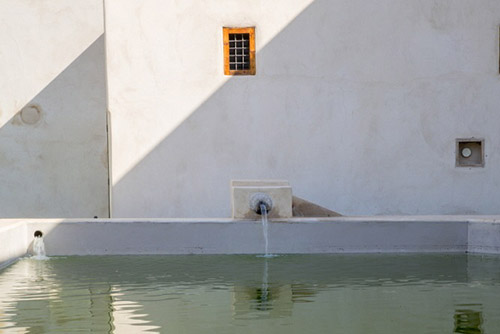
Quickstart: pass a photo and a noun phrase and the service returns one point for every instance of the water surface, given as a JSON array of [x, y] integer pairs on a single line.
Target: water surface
[[248, 294]]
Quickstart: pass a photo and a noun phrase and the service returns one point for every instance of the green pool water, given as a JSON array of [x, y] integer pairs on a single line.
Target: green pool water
[[249, 294]]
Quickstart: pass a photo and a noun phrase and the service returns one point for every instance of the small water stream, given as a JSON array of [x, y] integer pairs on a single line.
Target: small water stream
[[39, 249], [265, 228]]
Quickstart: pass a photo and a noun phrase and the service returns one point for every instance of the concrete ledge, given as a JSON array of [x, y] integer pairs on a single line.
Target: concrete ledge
[[12, 241], [484, 236], [380, 234]]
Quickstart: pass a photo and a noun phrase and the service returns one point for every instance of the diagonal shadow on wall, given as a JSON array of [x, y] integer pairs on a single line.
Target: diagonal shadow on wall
[[53, 155], [344, 108], [248, 130]]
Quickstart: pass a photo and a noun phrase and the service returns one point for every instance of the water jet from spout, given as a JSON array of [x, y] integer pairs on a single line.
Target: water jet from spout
[[39, 247], [265, 228]]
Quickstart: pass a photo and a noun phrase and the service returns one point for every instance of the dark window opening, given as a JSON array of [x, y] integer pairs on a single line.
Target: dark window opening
[[239, 51]]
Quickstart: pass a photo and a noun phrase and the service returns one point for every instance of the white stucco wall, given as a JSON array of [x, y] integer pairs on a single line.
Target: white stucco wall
[[53, 164], [13, 241], [357, 104]]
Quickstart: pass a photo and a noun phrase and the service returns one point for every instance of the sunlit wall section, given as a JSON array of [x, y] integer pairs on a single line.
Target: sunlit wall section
[[164, 61], [359, 105]]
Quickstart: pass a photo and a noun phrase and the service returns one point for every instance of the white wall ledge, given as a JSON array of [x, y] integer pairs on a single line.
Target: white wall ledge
[[367, 234]]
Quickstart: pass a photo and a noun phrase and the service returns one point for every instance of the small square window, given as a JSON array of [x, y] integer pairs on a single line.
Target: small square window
[[470, 152], [239, 51]]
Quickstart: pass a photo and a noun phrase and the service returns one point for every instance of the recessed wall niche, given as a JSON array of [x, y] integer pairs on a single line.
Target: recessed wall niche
[[469, 152]]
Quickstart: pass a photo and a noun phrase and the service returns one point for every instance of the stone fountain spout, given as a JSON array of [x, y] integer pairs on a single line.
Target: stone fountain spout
[[258, 201], [248, 197]]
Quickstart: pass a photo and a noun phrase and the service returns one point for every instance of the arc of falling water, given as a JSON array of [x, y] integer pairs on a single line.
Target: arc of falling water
[[263, 210]]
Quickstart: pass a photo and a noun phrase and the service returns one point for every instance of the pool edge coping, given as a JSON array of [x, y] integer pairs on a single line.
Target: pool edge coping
[[482, 232]]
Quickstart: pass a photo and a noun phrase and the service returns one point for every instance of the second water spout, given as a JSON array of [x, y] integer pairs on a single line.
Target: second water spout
[[39, 248]]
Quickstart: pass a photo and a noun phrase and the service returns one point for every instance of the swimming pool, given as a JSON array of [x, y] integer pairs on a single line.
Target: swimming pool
[[342, 293]]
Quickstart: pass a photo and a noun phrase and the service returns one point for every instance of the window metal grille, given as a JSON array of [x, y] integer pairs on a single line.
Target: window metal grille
[[239, 51]]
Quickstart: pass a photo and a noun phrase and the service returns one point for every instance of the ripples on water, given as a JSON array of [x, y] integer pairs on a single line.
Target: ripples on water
[[248, 294]]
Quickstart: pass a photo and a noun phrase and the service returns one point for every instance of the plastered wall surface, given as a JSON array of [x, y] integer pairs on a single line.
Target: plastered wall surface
[[357, 104], [53, 146], [13, 241]]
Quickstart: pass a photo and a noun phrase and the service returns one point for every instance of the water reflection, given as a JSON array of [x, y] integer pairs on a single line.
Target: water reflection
[[263, 295], [271, 300], [468, 320], [245, 294], [127, 316], [34, 300]]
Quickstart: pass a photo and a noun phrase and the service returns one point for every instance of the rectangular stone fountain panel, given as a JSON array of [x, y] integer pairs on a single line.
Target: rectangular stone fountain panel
[[243, 191]]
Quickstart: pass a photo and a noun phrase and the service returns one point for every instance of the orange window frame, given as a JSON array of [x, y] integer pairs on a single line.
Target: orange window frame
[[251, 32]]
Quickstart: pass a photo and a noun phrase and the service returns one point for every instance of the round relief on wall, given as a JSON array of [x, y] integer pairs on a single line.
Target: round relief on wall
[[30, 114]]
